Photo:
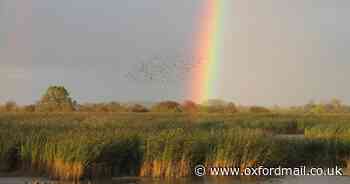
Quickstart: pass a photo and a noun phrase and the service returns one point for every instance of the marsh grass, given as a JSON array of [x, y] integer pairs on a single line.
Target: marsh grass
[[239, 148], [72, 146]]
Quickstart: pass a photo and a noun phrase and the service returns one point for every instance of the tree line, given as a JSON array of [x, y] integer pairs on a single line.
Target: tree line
[[57, 99]]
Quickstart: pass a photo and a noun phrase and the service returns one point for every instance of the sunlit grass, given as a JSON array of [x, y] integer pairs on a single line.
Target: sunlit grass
[[70, 146]]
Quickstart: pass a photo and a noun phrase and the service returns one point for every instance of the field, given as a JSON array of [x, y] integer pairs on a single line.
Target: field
[[73, 146]]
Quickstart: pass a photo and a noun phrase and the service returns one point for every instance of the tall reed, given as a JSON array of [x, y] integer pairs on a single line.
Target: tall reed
[[72, 146]]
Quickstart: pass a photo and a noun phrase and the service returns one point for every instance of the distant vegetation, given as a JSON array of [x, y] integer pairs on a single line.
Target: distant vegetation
[[58, 99]]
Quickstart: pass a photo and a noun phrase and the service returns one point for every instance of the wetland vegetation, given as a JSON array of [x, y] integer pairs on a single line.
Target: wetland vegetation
[[73, 146], [64, 140]]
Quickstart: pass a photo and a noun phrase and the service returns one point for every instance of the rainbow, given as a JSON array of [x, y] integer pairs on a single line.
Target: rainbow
[[204, 80]]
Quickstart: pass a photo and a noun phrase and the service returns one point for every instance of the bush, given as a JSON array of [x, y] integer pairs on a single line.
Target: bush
[[190, 107], [258, 109], [29, 108], [101, 107], [167, 106], [138, 108], [231, 108]]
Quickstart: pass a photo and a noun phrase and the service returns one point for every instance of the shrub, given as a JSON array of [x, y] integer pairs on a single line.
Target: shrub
[[29, 108], [258, 109], [231, 108], [167, 106], [138, 108], [190, 107]]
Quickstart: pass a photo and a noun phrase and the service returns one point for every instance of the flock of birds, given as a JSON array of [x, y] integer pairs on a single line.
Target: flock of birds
[[156, 70], [163, 70]]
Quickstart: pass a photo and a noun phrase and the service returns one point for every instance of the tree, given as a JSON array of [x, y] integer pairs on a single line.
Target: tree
[[167, 106], [11, 106], [29, 108], [231, 108], [318, 109], [259, 109], [333, 106], [336, 105], [115, 107], [190, 106], [214, 102], [138, 108], [309, 106], [56, 99], [214, 106]]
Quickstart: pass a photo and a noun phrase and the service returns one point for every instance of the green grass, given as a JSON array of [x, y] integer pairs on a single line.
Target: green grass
[[71, 146]]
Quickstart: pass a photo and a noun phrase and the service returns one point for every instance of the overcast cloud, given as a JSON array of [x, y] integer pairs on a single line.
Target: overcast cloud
[[276, 51]]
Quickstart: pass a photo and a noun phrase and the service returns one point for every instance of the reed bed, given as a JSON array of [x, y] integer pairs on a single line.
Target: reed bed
[[72, 146]]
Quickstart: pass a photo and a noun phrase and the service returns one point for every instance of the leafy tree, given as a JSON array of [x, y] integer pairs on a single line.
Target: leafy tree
[[309, 106], [214, 106], [115, 107], [214, 102], [231, 108], [167, 106], [336, 106], [29, 108], [101, 107], [56, 99], [336, 103], [259, 109], [318, 109], [11, 106], [138, 108], [190, 106], [333, 106]]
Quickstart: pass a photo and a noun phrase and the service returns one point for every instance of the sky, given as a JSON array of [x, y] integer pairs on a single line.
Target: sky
[[276, 51]]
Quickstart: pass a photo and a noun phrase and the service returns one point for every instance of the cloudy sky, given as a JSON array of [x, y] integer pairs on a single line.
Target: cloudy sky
[[276, 51]]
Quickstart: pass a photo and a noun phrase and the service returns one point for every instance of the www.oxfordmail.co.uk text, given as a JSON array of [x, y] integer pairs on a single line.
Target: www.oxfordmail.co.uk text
[[201, 170]]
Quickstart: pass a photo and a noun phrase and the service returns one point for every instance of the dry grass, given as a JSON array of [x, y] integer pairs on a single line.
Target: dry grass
[[70, 146]]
